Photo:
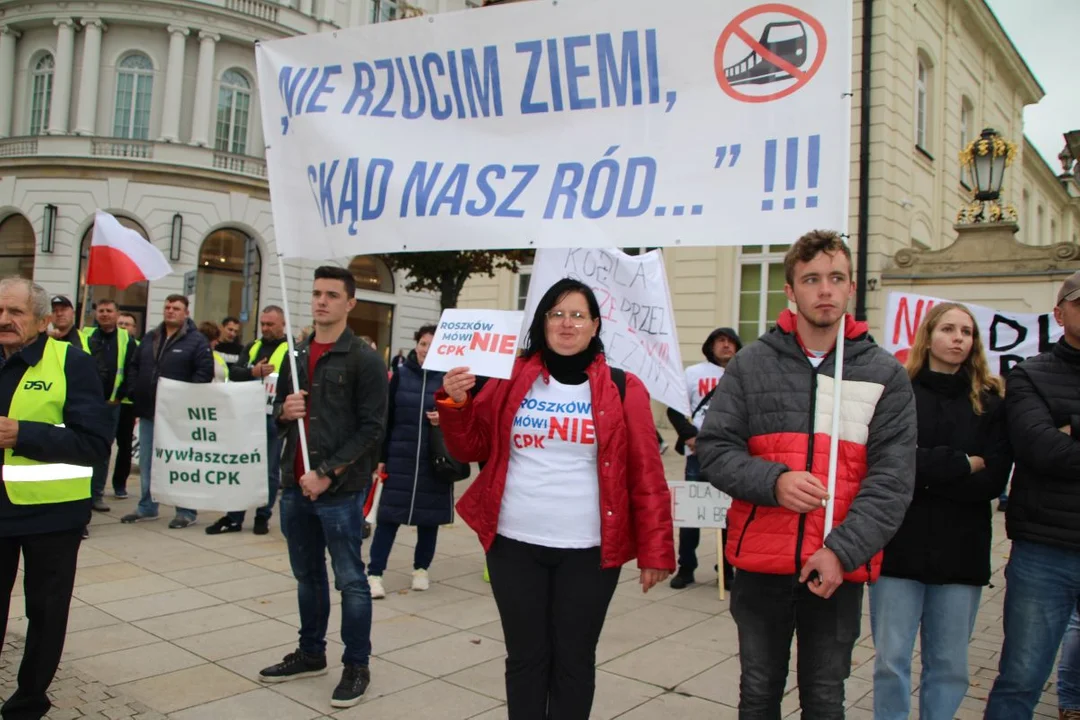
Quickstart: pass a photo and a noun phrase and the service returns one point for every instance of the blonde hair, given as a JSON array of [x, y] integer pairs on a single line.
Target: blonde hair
[[978, 369]]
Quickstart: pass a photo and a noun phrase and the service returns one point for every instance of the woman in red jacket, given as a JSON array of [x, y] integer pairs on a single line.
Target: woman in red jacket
[[572, 489]]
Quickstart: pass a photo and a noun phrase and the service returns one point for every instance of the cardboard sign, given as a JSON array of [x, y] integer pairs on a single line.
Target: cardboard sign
[[698, 505], [485, 341], [270, 385]]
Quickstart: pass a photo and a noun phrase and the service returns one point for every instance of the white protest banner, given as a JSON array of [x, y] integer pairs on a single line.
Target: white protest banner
[[637, 323], [1008, 337], [485, 341], [208, 454], [698, 505], [546, 124]]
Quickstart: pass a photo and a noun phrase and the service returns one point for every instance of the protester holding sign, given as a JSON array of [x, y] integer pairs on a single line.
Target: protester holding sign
[[938, 562], [701, 382], [264, 359], [572, 489], [767, 445], [411, 493], [340, 395]]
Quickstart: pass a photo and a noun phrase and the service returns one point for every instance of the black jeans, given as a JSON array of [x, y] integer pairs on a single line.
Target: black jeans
[[48, 578], [552, 604], [767, 610], [125, 431]]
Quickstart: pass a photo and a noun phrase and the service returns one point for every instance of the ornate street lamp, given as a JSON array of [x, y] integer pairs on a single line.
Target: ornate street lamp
[[985, 159]]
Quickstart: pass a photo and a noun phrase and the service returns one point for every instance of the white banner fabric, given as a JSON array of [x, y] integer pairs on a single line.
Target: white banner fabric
[[592, 123], [209, 446], [1009, 338], [637, 323]]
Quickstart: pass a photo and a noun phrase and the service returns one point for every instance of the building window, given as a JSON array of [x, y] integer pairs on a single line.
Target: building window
[[761, 288], [228, 279], [524, 278], [16, 247], [384, 10], [134, 88], [371, 274], [923, 116], [967, 121], [234, 103], [41, 94]]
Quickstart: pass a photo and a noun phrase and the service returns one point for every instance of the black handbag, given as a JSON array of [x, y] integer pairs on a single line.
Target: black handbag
[[446, 468]]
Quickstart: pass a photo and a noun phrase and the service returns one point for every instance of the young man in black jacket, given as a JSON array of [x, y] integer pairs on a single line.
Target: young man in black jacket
[[341, 399], [1042, 403]]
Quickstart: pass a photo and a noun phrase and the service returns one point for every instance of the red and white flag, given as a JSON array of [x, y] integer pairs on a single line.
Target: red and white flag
[[120, 256]]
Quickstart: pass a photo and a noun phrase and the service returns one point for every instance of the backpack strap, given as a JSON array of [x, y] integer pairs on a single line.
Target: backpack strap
[[704, 401], [619, 378]]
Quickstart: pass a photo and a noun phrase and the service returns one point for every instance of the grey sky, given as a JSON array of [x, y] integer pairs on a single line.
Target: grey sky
[[1046, 33]]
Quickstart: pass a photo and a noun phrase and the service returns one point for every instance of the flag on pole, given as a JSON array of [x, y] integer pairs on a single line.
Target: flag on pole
[[120, 256]]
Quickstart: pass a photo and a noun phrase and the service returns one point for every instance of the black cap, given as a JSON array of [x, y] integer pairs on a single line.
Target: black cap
[[61, 300], [729, 333]]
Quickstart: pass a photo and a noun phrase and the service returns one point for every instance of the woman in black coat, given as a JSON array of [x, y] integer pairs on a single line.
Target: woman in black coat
[[938, 562], [411, 493]]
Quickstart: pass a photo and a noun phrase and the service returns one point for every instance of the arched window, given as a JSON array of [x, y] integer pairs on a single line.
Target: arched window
[[372, 274], [16, 247], [924, 85], [229, 273], [131, 299], [41, 82], [234, 103], [134, 90]]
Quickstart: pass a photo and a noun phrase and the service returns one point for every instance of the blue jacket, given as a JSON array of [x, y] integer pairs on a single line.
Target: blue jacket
[[411, 494], [185, 356]]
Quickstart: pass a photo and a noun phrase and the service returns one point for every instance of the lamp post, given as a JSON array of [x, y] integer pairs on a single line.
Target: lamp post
[[985, 159]]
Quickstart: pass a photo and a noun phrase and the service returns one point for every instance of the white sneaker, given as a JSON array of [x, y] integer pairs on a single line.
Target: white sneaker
[[377, 589], [420, 580]]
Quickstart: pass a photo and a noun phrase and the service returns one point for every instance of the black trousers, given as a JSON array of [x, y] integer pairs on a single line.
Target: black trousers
[[552, 604], [125, 429], [768, 609], [48, 578]]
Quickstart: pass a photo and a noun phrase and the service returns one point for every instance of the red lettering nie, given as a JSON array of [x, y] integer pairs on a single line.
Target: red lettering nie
[[575, 430], [705, 385]]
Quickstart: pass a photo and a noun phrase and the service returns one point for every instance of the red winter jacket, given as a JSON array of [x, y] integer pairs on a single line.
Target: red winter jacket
[[635, 505]]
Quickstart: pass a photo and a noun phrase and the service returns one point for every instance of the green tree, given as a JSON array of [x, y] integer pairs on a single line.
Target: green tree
[[445, 272]]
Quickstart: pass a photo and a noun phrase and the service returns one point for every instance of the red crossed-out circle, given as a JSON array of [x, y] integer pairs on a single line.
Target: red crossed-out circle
[[734, 28]]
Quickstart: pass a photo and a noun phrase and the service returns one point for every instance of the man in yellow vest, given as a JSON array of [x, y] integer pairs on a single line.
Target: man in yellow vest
[[53, 427], [125, 427], [262, 359], [112, 350]]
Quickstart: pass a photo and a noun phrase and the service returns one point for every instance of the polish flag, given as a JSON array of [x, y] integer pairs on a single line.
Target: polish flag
[[120, 256]]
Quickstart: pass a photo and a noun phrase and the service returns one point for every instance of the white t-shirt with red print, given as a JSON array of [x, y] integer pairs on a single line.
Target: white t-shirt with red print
[[552, 494]]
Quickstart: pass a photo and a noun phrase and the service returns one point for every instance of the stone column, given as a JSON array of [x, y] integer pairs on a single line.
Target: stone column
[[86, 120], [174, 84], [8, 37], [204, 89], [60, 109]]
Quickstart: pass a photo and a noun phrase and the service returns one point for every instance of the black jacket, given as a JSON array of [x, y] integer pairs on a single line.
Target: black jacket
[[347, 411], [946, 534], [1044, 396], [185, 357], [105, 348], [411, 493], [85, 439]]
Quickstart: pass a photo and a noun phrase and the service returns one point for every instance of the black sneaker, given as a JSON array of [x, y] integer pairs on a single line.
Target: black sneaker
[[682, 579], [295, 665], [262, 525], [224, 525], [354, 681]]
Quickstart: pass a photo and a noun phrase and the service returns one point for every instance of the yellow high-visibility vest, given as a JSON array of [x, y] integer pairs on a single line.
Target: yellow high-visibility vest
[[122, 338], [275, 357], [222, 364], [40, 397], [129, 401]]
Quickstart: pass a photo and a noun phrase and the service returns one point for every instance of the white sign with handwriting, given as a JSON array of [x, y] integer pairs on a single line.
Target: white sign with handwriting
[[698, 505]]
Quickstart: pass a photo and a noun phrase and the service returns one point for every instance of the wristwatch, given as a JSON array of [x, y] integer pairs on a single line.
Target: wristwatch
[[327, 472]]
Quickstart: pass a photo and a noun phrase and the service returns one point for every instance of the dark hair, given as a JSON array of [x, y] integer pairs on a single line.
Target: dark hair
[[177, 298], [424, 330], [104, 301], [274, 308], [230, 319], [809, 246], [128, 315], [536, 340], [209, 330], [333, 272]]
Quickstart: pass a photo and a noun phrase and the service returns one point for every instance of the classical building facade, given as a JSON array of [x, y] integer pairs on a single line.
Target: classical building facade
[[150, 111]]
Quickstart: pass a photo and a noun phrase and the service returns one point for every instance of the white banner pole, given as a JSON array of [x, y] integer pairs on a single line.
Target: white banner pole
[[292, 359], [834, 440]]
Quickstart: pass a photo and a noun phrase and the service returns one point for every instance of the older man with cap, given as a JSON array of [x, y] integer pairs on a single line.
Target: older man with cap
[[1043, 516], [54, 426]]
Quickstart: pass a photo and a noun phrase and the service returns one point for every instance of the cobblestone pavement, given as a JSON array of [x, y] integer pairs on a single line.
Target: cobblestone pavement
[[176, 624]]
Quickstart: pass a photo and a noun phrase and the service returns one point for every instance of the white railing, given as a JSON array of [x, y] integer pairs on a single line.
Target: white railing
[[18, 147], [254, 8], [122, 149], [240, 164]]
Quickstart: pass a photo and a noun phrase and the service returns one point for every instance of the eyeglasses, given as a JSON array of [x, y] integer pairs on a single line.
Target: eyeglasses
[[577, 319]]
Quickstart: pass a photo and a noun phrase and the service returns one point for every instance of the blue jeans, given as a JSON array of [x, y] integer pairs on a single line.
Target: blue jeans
[[101, 469], [383, 542], [147, 507], [273, 474], [1069, 666], [1042, 592], [944, 617], [333, 522]]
